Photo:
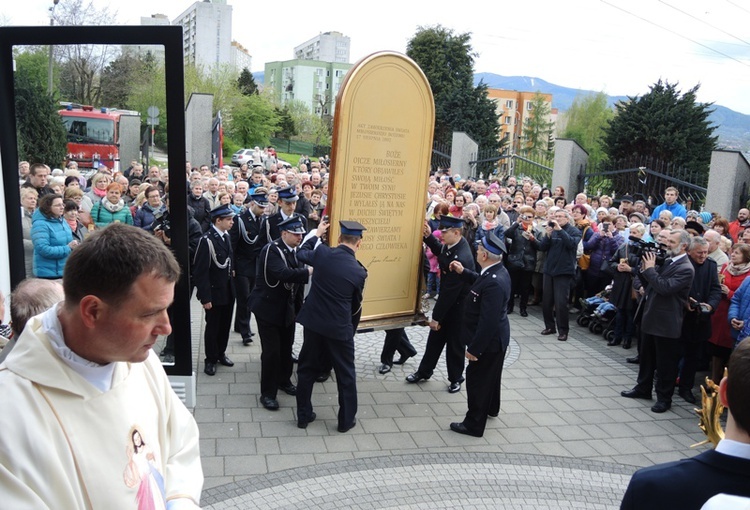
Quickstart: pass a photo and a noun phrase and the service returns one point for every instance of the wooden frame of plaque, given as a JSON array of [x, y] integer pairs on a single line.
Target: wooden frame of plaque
[[382, 146]]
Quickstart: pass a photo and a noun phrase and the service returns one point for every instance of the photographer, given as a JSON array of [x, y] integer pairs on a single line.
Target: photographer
[[705, 295], [146, 214], [666, 291], [624, 266]]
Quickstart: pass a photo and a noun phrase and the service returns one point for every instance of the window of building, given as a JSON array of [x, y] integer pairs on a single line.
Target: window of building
[[529, 105], [508, 119], [509, 103]]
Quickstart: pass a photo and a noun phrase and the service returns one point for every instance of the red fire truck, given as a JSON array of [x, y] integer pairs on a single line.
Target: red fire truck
[[103, 136]]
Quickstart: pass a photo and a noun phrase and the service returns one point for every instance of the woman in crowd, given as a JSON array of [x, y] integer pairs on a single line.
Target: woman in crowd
[[52, 238], [582, 222], [601, 246], [655, 227], [29, 198], [71, 217], [559, 192], [457, 209], [439, 210], [722, 338], [76, 195], [624, 267], [490, 224], [99, 183], [622, 225], [148, 212], [605, 201], [721, 225], [111, 208], [521, 258]]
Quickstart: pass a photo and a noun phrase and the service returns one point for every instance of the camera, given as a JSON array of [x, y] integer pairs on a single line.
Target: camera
[[161, 222], [639, 247], [605, 227]]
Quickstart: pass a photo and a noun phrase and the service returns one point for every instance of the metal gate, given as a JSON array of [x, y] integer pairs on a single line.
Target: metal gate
[[645, 179]]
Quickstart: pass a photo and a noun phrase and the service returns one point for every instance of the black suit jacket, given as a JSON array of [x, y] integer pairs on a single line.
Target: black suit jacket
[[705, 289], [485, 326], [453, 288], [687, 484], [334, 305], [279, 281], [214, 284], [667, 289], [246, 242]]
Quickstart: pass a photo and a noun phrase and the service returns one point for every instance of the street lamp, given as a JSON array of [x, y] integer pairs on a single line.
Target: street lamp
[[49, 67]]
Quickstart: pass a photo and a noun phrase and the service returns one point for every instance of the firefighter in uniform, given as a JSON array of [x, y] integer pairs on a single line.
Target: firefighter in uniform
[[330, 317], [246, 245], [275, 301], [212, 274], [287, 203]]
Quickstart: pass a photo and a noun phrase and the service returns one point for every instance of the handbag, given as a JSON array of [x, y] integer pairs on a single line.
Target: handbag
[[584, 259]]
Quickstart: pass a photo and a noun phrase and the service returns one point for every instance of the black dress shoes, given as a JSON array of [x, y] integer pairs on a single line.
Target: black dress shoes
[[384, 368], [323, 377], [302, 424], [454, 387], [634, 360], [563, 337], [627, 343], [614, 341], [269, 403], [401, 360], [247, 341], [226, 361], [523, 313], [210, 368], [289, 389], [461, 429], [349, 427], [415, 377], [687, 396], [548, 331], [635, 394], [661, 407]]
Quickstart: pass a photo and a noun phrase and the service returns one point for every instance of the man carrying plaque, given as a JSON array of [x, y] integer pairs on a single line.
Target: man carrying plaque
[[445, 324], [486, 332], [330, 317]]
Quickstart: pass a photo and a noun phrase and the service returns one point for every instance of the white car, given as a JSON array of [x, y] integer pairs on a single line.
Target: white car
[[243, 156]]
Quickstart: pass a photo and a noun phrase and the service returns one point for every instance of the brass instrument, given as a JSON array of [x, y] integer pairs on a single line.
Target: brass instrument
[[710, 414]]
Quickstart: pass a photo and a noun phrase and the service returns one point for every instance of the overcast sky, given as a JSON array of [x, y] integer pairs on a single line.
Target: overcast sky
[[617, 46]]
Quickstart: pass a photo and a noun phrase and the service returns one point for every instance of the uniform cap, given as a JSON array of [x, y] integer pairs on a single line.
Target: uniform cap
[[450, 222], [351, 228], [293, 224], [221, 211], [493, 244]]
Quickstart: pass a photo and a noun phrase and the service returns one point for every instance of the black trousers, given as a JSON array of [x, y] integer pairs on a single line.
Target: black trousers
[[315, 349], [483, 379], [396, 340], [521, 284], [216, 336], [691, 349], [243, 285], [448, 336], [659, 354], [555, 302], [276, 356]]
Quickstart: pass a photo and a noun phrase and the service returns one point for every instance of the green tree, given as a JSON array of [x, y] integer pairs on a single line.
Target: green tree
[[246, 83], [119, 78], [253, 120], [537, 129], [309, 127], [447, 60], [664, 124], [41, 134], [287, 128], [586, 121]]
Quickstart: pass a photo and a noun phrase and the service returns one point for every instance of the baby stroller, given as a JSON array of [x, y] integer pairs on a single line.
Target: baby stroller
[[597, 313]]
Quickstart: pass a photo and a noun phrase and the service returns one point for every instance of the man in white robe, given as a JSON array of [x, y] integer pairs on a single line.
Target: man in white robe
[[90, 419]]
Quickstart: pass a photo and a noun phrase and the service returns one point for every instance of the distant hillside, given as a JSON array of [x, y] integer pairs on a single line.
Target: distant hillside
[[732, 128]]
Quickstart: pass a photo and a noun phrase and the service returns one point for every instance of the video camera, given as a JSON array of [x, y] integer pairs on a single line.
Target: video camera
[[639, 248], [162, 222]]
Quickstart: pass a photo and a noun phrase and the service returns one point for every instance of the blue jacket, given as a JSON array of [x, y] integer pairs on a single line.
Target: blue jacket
[[145, 216], [50, 237], [676, 209], [739, 307]]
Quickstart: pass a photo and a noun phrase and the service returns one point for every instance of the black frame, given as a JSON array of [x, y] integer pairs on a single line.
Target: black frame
[[171, 38]]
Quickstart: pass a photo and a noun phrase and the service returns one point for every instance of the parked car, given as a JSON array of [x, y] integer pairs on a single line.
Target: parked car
[[243, 156]]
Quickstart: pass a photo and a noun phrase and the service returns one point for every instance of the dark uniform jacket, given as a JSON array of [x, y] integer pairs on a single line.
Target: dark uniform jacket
[[453, 288], [667, 289], [214, 283], [334, 305], [246, 242], [279, 283], [485, 326], [687, 484], [271, 230]]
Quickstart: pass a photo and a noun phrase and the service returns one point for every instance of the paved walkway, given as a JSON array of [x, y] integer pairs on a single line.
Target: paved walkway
[[564, 437]]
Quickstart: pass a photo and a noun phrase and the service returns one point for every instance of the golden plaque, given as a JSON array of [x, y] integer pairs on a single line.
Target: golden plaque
[[382, 147]]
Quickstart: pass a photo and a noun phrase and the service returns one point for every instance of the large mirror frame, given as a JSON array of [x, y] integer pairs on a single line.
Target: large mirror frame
[[170, 37]]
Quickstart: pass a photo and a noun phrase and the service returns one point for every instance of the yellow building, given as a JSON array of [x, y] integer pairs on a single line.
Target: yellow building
[[514, 109]]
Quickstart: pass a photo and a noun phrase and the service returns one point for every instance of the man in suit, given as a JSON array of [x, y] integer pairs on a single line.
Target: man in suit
[[275, 301], [486, 333], [330, 317], [560, 243], [667, 291], [287, 203], [212, 274], [687, 484], [395, 340], [246, 245], [445, 323]]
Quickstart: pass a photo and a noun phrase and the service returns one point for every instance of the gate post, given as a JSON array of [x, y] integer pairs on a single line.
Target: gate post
[[198, 123], [463, 149], [728, 172], [570, 162]]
